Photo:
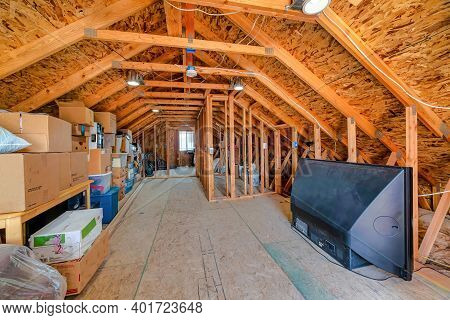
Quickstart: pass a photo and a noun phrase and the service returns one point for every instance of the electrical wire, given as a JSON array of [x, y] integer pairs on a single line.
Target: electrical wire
[[202, 11], [381, 71], [432, 194]]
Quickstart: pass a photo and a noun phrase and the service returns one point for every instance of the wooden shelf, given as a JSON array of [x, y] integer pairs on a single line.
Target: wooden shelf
[[14, 222]]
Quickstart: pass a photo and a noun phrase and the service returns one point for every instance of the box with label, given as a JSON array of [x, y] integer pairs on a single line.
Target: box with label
[[75, 112], [79, 144], [107, 120], [27, 180], [119, 160], [45, 133], [79, 272], [65, 178], [78, 167], [99, 161], [68, 236], [80, 130]]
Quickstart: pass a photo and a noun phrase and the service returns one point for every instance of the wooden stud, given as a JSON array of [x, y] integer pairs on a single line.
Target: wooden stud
[[435, 189], [294, 151], [227, 183], [435, 225], [317, 142], [411, 161], [250, 152], [232, 148], [261, 155], [351, 132], [392, 159], [244, 149], [277, 143], [167, 150], [154, 148], [209, 144]]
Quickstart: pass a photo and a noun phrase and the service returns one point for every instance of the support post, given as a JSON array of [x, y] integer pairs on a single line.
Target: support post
[[317, 143], [143, 153], [261, 155], [277, 144], [351, 128], [294, 153], [244, 149], [227, 176], [411, 161], [209, 143], [232, 149], [250, 151], [154, 149], [167, 150]]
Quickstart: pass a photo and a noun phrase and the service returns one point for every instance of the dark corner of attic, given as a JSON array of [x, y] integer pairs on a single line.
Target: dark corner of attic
[[59, 193]]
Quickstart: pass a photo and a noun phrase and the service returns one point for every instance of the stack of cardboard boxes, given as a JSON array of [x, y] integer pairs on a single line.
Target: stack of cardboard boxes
[[121, 160], [29, 178]]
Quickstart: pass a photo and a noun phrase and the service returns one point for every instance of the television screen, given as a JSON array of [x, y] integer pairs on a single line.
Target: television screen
[[358, 213]]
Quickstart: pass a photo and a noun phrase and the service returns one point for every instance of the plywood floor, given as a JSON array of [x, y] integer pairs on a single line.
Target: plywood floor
[[174, 244]]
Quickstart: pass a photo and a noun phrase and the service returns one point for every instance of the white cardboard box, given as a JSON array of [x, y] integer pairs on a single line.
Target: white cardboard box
[[67, 237]]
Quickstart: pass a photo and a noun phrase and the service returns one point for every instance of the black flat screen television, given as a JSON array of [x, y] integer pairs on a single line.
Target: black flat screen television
[[358, 213]]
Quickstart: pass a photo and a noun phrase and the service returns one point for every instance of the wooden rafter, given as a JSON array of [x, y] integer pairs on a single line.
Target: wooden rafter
[[59, 39], [173, 19], [192, 85], [331, 22], [175, 42], [160, 67], [268, 8]]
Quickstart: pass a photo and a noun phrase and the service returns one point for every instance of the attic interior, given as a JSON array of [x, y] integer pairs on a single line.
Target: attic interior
[[225, 104]]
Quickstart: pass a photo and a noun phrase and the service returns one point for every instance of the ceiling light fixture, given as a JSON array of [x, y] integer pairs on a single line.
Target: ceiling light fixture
[[309, 7], [237, 84], [155, 110], [191, 72], [134, 79]]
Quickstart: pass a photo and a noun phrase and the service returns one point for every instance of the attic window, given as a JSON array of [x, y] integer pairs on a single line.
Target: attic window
[[186, 140]]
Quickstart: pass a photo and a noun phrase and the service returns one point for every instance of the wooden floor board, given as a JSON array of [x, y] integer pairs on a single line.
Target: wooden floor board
[[174, 244]]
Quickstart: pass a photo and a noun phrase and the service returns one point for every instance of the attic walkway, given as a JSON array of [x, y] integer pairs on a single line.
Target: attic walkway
[[174, 244]]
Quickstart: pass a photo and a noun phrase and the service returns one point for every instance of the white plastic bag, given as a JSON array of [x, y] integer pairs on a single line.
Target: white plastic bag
[[24, 277], [10, 143]]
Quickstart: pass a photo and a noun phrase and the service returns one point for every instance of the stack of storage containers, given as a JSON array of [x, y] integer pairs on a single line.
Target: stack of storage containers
[[120, 172]]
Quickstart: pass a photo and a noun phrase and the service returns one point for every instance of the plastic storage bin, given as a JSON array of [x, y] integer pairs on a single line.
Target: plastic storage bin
[[109, 202], [129, 185], [101, 184]]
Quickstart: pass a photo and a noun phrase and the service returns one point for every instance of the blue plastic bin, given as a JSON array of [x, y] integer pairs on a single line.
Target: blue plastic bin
[[129, 185], [109, 202]]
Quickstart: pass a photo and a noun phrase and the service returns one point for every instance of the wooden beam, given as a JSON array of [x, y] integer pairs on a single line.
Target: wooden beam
[[22, 57], [294, 151], [154, 147], [435, 225], [392, 159], [267, 8], [160, 67], [411, 161], [250, 152], [73, 81], [331, 22], [244, 148], [173, 19], [351, 136], [209, 145], [317, 143], [232, 148], [181, 102], [277, 144], [175, 42], [261, 156], [182, 85], [104, 92], [173, 95], [167, 150]]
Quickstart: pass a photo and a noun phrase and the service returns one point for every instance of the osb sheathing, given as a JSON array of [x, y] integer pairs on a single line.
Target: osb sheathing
[[411, 36]]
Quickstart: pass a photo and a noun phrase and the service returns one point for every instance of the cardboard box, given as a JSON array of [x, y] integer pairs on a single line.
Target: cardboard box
[[107, 120], [119, 182], [118, 145], [99, 162], [119, 172], [93, 137], [80, 130], [79, 272], [68, 236], [45, 133], [79, 144], [78, 167], [27, 180], [75, 112], [119, 160], [125, 144], [109, 140], [65, 177]]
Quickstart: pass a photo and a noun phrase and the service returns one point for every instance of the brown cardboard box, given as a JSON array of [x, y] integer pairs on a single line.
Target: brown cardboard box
[[80, 130], [79, 272], [107, 120], [79, 144], [78, 167], [109, 140], [75, 112], [45, 133], [118, 182], [119, 172], [99, 161], [27, 180], [125, 144], [65, 178]]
